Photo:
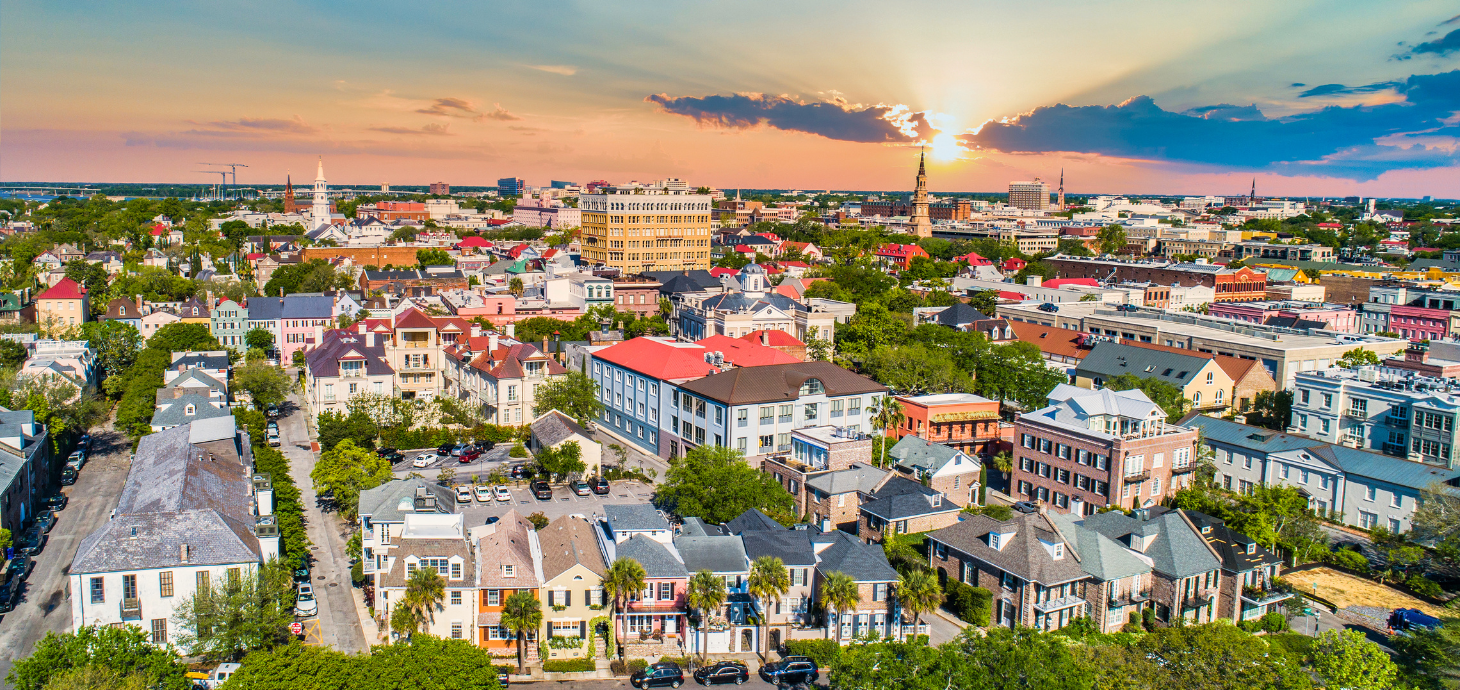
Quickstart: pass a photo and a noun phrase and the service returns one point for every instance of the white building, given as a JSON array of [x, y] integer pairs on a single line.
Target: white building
[[192, 514], [1397, 414]]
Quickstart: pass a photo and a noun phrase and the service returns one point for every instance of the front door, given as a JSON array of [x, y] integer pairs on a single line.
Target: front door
[[747, 641]]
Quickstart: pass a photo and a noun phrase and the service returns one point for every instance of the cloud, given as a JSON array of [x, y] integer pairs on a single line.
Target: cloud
[[253, 124], [500, 113], [565, 70], [1341, 90], [1335, 140], [451, 107], [834, 120], [432, 129], [1442, 46]]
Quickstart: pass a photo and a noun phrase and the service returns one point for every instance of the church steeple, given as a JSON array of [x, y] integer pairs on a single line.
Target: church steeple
[[921, 224], [1061, 204], [290, 206]]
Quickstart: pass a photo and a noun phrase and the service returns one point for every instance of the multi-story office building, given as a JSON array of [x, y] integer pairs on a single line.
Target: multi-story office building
[[511, 187], [1029, 195], [1091, 449], [1403, 415], [1231, 284], [646, 230], [1290, 252]]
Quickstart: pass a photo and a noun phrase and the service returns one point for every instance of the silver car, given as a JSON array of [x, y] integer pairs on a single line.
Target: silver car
[[304, 602]]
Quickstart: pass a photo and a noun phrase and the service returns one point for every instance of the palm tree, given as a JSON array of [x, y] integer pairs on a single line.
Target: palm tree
[[768, 580], [520, 613], [706, 594], [515, 286], [839, 593], [886, 413], [624, 577], [1004, 464], [425, 590], [919, 593]]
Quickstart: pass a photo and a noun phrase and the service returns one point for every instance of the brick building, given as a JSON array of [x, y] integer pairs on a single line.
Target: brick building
[[1231, 285], [363, 256], [1089, 449], [815, 451], [966, 422], [903, 506], [952, 209], [945, 468]]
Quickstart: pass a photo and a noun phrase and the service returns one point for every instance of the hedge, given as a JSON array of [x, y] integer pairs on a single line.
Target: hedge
[[620, 668], [568, 665], [430, 437], [823, 652], [973, 604]]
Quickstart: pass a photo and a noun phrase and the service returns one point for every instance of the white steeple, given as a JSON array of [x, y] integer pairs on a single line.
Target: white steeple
[[319, 213]]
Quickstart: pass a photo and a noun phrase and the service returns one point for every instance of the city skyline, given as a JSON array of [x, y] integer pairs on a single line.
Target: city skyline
[[1310, 98]]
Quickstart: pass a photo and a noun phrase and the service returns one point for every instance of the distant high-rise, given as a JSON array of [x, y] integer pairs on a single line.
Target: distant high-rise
[[440, 188], [645, 229], [921, 225], [290, 206], [561, 184], [511, 186], [1033, 196]]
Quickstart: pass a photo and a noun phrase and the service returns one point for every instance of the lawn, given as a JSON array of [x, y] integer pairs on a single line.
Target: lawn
[[1348, 590]]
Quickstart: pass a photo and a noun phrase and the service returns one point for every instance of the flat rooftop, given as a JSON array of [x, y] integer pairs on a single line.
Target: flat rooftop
[[947, 399]]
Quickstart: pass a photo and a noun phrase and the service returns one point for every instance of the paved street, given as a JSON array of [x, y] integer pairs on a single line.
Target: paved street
[[339, 620], [754, 682], [45, 604], [496, 458], [564, 502]]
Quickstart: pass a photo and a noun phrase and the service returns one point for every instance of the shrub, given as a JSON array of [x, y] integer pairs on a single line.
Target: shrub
[[1132, 624], [538, 520], [568, 665], [617, 668], [1423, 586], [1274, 622], [823, 652], [518, 451], [1250, 626], [998, 512], [1348, 559], [1148, 619], [636, 665], [973, 604], [682, 661]]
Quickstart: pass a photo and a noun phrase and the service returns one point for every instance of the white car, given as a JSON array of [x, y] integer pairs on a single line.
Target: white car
[[503, 494], [424, 460], [463, 494], [304, 602], [484, 493]]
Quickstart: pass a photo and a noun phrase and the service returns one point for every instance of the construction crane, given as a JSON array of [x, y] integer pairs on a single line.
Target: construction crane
[[232, 166], [223, 179]]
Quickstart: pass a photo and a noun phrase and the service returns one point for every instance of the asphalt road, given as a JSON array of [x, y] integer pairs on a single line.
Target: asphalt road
[[754, 682], [482, 466], [338, 621], [45, 604], [563, 502]]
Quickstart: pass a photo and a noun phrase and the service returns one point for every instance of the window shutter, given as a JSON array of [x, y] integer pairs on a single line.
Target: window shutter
[[567, 598]]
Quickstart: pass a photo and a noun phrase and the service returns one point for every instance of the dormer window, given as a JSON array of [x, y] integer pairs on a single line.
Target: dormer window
[[1251, 549], [509, 570], [812, 387], [994, 541], [1059, 551], [121, 311], [189, 410]]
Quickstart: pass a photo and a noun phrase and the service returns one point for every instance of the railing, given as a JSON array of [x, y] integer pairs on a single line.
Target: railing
[[1199, 599], [1356, 414], [1133, 477], [1183, 469], [131, 609], [413, 344], [1057, 604], [1129, 598], [1397, 422], [1265, 595], [329, 397]]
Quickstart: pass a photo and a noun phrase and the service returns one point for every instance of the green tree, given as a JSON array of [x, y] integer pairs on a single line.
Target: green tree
[[1437, 520], [1428, 658], [1358, 357], [985, 301], [915, 369], [839, 593], [237, 614], [1218, 656], [96, 678], [1015, 372], [427, 663], [624, 578], [425, 592], [520, 613], [1111, 239], [116, 345], [818, 348], [183, 337], [715, 483], [260, 338], [562, 460], [768, 581], [515, 286], [1347, 659], [886, 413], [1271, 410], [12, 354], [355, 426], [433, 257], [706, 594], [267, 384], [124, 651], [345, 471], [919, 593], [574, 394]]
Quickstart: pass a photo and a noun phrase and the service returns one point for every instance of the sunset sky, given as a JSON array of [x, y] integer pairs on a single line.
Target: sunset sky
[[1311, 97]]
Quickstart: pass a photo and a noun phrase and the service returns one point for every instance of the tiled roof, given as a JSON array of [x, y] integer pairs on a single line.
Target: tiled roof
[[1055, 341], [510, 541], [1023, 554], [568, 541], [64, 289], [779, 383], [658, 359], [324, 360]]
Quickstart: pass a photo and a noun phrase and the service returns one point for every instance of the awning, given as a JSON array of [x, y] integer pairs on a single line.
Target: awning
[[489, 619]]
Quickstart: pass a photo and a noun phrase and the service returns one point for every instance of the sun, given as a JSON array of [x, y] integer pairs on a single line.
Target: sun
[[945, 147]]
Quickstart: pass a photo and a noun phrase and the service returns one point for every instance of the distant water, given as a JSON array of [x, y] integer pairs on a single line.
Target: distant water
[[26, 197]]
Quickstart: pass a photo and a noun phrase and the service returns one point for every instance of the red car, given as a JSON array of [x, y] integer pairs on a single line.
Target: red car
[[469, 455]]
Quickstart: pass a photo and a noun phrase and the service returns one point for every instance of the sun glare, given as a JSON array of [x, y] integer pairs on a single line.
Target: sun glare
[[945, 147]]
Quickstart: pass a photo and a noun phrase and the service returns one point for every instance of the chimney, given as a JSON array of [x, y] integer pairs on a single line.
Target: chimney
[[212, 302], [491, 342], [476, 330], [361, 326], [318, 335], [183, 553], [369, 338], [544, 345], [512, 330], [139, 302], [765, 338]]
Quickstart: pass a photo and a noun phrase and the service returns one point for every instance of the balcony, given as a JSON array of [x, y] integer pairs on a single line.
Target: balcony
[[1184, 469], [1201, 598], [131, 609], [1133, 477], [1129, 599], [1352, 413], [1057, 604], [1262, 596], [1396, 422]]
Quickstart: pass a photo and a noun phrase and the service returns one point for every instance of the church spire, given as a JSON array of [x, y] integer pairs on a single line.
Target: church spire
[[290, 206], [1061, 203], [921, 225]]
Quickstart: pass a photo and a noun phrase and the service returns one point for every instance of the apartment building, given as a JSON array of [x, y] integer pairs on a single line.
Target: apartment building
[[25, 466], [62, 306], [816, 451], [757, 307], [643, 229], [500, 377], [1033, 195], [1091, 449], [436, 542], [1340, 318], [634, 380], [1398, 414]]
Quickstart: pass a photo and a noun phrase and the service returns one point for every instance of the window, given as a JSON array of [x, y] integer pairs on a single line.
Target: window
[[202, 580], [456, 597], [98, 591], [1370, 493], [1396, 500], [164, 583], [455, 630], [666, 591], [1210, 378], [767, 414], [879, 591], [129, 587], [509, 570], [159, 631], [494, 597], [1368, 520], [742, 417]]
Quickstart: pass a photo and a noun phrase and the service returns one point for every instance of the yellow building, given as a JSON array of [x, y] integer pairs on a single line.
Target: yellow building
[[646, 230], [63, 307]]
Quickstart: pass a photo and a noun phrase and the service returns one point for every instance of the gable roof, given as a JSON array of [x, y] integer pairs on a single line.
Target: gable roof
[[324, 360], [717, 553], [792, 546], [776, 338], [171, 413], [753, 520], [901, 498], [960, 314], [1235, 367], [634, 517], [554, 427], [1111, 359], [656, 559], [859, 478], [780, 382], [1176, 550], [1099, 555], [918, 453], [861, 562], [63, 289], [1231, 546], [568, 541]]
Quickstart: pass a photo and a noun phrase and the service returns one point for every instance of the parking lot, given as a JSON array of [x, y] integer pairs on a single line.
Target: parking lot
[[491, 460], [563, 502]]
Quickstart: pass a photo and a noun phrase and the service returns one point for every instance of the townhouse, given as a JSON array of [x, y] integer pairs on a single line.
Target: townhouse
[[1186, 570], [436, 542], [228, 322], [498, 377], [25, 466], [187, 408], [791, 616], [1247, 590], [876, 610], [731, 628], [1090, 449], [572, 571], [834, 499], [383, 510], [510, 561], [265, 312], [946, 469], [966, 422], [1200, 379], [654, 619], [347, 363], [302, 319], [903, 506]]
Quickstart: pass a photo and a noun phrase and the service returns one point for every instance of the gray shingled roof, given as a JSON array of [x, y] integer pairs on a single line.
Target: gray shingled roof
[[1109, 359], [199, 360], [792, 546], [212, 539], [1176, 551], [656, 559], [861, 562], [860, 478], [717, 554], [1023, 554], [173, 412], [753, 520], [634, 517], [1099, 555], [306, 307], [901, 498], [554, 427], [201, 378], [384, 503], [918, 453], [265, 308]]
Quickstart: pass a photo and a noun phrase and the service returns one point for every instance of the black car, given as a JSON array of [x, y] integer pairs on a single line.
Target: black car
[[600, 486], [68, 476], [504, 678], [487, 445], [301, 569], [57, 502], [1049, 307], [722, 672], [9, 595], [792, 670], [520, 472], [445, 449], [19, 567], [542, 491], [657, 676], [390, 455], [31, 542], [45, 520]]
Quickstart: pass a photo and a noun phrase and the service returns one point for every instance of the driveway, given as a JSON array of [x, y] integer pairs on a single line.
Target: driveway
[[45, 604], [339, 620]]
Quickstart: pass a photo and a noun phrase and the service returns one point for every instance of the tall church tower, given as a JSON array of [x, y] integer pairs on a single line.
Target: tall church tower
[[922, 225], [1061, 204], [319, 213], [290, 206]]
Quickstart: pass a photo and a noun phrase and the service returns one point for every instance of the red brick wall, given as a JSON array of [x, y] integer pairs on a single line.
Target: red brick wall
[[1116, 450]]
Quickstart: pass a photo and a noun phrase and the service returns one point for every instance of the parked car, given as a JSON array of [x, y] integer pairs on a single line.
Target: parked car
[[391, 455], [31, 542], [57, 502], [272, 411], [503, 678], [492, 520], [45, 520], [487, 445], [1049, 307], [304, 602], [484, 493], [77, 459], [461, 449], [463, 494], [301, 569], [503, 494], [84, 441], [273, 438], [600, 486], [722, 672], [9, 594], [664, 674], [1409, 620], [1026, 507], [68, 476], [20, 567], [445, 449], [792, 670], [520, 472], [581, 488], [424, 460], [541, 491], [470, 455]]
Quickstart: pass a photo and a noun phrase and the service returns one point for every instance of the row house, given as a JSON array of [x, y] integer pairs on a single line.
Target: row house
[[1394, 413], [437, 542], [509, 561], [498, 376], [1247, 590], [1186, 571], [413, 348], [1091, 449], [25, 467], [903, 506], [704, 548], [963, 421], [302, 320], [572, 570], [229, 324], [945, 469], [62, 306], [348, 362], [383, 512], [655, 618]]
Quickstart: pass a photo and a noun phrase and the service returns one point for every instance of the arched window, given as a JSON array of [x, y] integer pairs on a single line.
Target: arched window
[[1196, 397]]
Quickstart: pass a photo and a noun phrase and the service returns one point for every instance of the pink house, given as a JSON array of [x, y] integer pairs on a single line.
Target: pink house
[[302, 320], [1335, 317], [1418, 323]]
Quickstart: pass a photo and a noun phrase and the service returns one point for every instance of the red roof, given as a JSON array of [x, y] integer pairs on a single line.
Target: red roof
[[1061, 282], [1005, 294], [66, 289], [794, 264], [744, 249], [159, 229], [777, 338], [516, 252], [1331, 226], [974, 259], [769, 235], [744, 353], [722, 271], [1014, 264], [498, 221], [413, 318], [658, 359], [473, 241], [901, 250]]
